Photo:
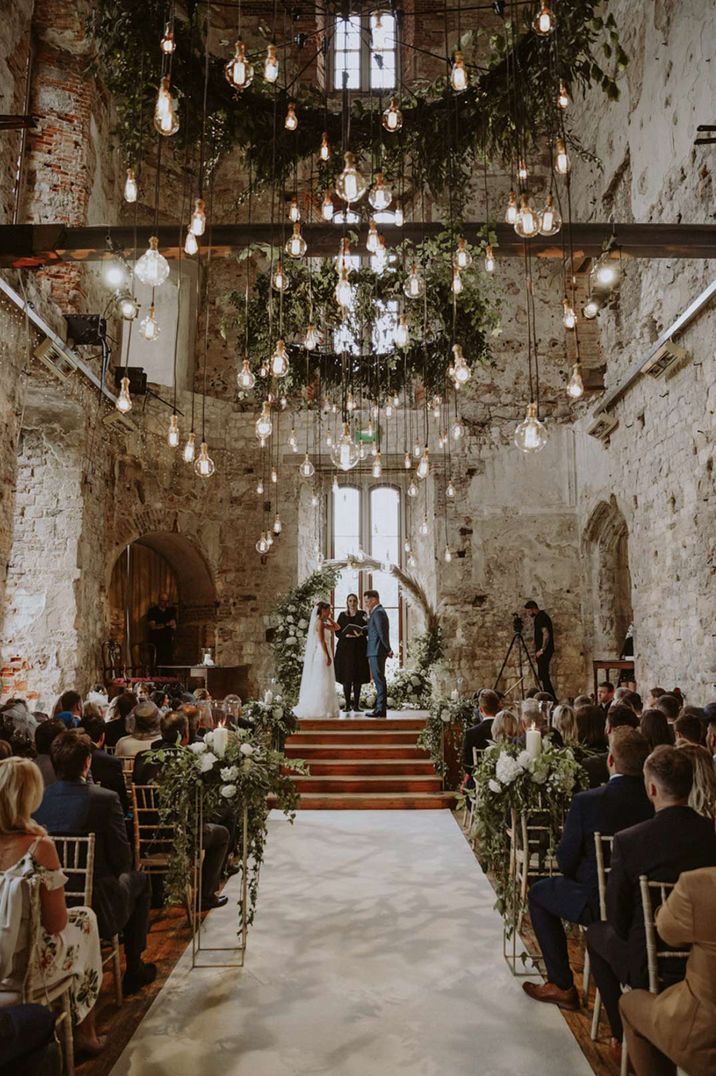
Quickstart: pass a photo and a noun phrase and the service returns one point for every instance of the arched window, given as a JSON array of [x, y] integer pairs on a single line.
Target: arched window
[[364, 52]]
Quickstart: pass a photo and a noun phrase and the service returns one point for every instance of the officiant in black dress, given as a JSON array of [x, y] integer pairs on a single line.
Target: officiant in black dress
[[350, 662]]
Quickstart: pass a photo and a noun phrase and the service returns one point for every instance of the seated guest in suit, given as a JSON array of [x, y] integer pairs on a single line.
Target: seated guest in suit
[[44, 735], [619, 715], [575, 896], [669, 705], [702, 797], [678, 1026], [688, 729], [146, 728], [633, 699], [676, 839], [68, 709], [480, 734], [106, 770], [73, 807], [605, 695], [118, 726], [656, 728]]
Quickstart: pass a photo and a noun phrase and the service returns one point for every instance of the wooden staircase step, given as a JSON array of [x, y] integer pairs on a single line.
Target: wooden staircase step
[[370, 767], [308, 786], [363, 724], [344, 736], [354, 751], [376, 801]]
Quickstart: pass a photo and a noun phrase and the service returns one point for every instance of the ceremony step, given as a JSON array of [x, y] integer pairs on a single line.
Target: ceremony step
[[378, 737], [372, 767], [363, 724], [377, 801], [383, 783], [354, 751]]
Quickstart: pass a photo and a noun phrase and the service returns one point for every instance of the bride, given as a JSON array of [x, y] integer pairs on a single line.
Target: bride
[[318, 696]]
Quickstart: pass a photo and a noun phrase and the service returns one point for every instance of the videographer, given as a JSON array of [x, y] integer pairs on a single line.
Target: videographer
[[544, 644]]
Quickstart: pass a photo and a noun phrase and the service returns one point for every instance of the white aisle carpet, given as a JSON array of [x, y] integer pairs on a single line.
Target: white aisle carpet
[[375, 952]]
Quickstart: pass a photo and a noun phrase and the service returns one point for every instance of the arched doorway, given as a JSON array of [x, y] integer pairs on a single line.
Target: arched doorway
[[163, 561], [609, 611]]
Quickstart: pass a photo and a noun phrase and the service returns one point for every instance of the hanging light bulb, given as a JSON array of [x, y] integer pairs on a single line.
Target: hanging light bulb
[[264, 425], [350, 185], [389, 409], [407, 548], [274, 476], [279, 360], [296, 244], [152, 268], [575, 387], [345, 451], [392, 117], [458, 74], [569, 318], [344, 292], [148, 326], [412, 489], [530, 435], [350, 403], [457, 430], [590, 308], [377, 466], [447, 555], [306, 469], [417, 451], [329, 441], [402, 332], [462, 258], [314, 500], [204, 466], [407, 461], [544, 21], [294, 213], [511, 211], [189, 449], [239, 72], [528, 219], [457, 284], [379, 195], [260, 487], [379, 260], [522, 169], [130, 186], [461, 372], [263, 545], [279, 279], [424, 466], [324, 152], [606, 271], [245, 377], [443, 438], [271, 64], [398, 217], [343, 255], [551, 220], [124, 400], [173, 432], [312, 338], [414, 286], [563, 98], [380, 34], [291, 121], [166, 120], [424, 528], [371, 243], [489, 259], [327, 207], [450, 490], [277, 525], [190, 244], [168, 44], [562, 163], [412, 562]]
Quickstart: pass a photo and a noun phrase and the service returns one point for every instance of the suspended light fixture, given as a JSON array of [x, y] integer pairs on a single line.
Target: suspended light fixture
[[173, 432], [606, 272], [274, 476], [522, 169], [260, 487], [204, 466], [423, 468], [412, 562], [245, 377], [327, 207], [277, 524], [380, 35], [166, 119], [563, 98], [489, 259], [148, 326], [447, 555], [457, 430], [324, 152], [314, 500], [462, 258], [457, 284], [575, 387], [124, 400], [264, 425], [306, 469], [344, 453], [377, 470], [450, 490], [115, 275], [562, 163], [412, 489], [293, 440], [239, 72], [424, 528], [168, 44], [511, 211], [389, 409], [550, 219], [569, 318], [398, 216], [130, 186], [271, 64], [407, 461], [279, 360], [379, 195], [198, 217], [528, 221], [263, 545], [590, 308], [312, 338], [294, 213], [371, 243], [344, 292], [458, 74], [402, 332], [152, 268], [461, 372], [544, 21], [414, 286], [392, 117], [417, 451], [190, 244], [189, 448], [291, 121], [530, 435], [279, 279], [296, 245], [379, 260], [350, 185]]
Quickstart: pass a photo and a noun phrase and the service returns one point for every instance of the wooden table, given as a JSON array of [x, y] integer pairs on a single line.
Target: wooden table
[[606, 665]]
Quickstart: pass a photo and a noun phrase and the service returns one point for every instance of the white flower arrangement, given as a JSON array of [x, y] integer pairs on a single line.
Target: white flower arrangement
[[197, 747], [229, 773], [228, 791], [246, 749], [206, 761]]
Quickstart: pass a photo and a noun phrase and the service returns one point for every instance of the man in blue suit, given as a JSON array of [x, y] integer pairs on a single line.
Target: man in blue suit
[[378, 650], [620, 803]]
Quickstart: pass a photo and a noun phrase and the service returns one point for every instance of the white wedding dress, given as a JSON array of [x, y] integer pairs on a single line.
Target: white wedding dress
[[318, 697]]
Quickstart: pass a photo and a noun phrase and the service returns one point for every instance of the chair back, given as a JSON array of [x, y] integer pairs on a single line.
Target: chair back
[[112, 664], [653, 895], [76, 855], [603, 844], [153, 839], [127, 770], [144, 659]]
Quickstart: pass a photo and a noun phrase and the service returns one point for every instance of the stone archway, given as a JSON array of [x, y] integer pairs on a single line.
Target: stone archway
[[608, 595]]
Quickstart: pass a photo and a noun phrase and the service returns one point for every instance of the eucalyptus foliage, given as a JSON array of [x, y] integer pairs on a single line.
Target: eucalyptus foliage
[[447, 717]]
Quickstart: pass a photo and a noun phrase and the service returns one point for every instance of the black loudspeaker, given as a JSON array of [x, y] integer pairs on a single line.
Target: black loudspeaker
[[137, 379], [86, 329]]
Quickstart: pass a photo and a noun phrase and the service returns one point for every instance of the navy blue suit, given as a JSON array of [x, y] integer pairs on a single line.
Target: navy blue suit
[[378, 632], [622, 802]]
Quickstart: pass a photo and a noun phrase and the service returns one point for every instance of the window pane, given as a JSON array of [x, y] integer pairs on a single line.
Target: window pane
[[382, 71], [353, 82], [382, 34], [347, 583], [388, 588], [384, 515], [346, 512], [348, 34]]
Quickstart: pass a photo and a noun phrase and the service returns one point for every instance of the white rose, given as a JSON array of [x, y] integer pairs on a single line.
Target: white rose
[[208, 738], [445, 716], [303, 623], [415, 680], [292, 608], [228, 791], [391, 703], [289, 620], [494, 786], [507, 769], [197, 747], [524, 758], [291, 641], [246, 749], [229, 773], [277, 712], [205, 762]]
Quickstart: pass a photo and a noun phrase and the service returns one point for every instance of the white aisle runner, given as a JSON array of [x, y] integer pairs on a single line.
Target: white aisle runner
[[375, 952]]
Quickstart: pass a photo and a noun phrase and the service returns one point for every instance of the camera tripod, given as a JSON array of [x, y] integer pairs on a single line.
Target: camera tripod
[[522, 652]]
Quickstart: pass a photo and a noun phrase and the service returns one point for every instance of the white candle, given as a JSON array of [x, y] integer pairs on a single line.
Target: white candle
[[268, 697], [220, 741], [533, 742]]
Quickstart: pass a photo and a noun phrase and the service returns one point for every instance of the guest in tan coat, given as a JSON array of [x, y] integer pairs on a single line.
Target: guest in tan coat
[[678, 1026]]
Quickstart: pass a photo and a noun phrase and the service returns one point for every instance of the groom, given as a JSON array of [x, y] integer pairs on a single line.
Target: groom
[[378, 650]]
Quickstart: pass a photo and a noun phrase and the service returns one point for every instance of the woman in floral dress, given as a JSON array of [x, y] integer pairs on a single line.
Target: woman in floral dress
[[66, 941]]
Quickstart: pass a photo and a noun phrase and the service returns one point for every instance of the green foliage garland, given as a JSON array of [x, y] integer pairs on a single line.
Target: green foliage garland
[[273, 721], [290, 619], [446, 717]]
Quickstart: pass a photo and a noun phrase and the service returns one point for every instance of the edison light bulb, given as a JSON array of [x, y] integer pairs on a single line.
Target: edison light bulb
[[544, 21], [296, 244], [166, 120], [274, 475], [279, 360], [389, 409], [190, 244], [401, 331], [260, 487], [277, 525], [436, 404], [345, 452], [462, 258], [152, 268], [371, 243], [414, 286], [239, 72], [344, 293], [511, 211], [306, 470], [264, 425], [204, 466], [130, 186], [380, 196], [379, 260], [551, 220], [457, 430], [569, 318], [380, 33], [291, 121], [124, 400], [189, 449], [450, 490], [423, 469], [173, 432], [312, 338], [563, 98], [377, 467], [245, 376], [606, 271], [327, 207], [461, 371], [392, 117], [294, 213], [325, 151], [489, 259], [263, 545], [522, 169], [447, 555], [271, 64], [168, 44], [398, 216], [350, 402], [279, 279], [530, 435], [350, 185], [314, 500], [407, 461], [528, 220], [424, 528], [458, 74], [590, 308], [575, 388], [148, 326], [562, 163], [407, 548], [412, 489], [457, 284]]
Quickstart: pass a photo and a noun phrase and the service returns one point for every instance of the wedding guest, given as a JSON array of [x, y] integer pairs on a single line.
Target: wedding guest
[[583, 700], [44, 735], [565, 721], [711, 739], [27, 1041], [68, 709], [633, 699], [5, 750], [676, 839], [121, 725], [618, 715], [605, 695], [678, 1026], [670, 705], [67, 944], [654, 694], [205, 719], [656, 728], [350, 662], [702, 797], [506, 727], [106, 770], [202, 694], [160, 699], [688, 728], [479, 735], [574, 897], [120, 898], [192, 715], [146, 729]]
